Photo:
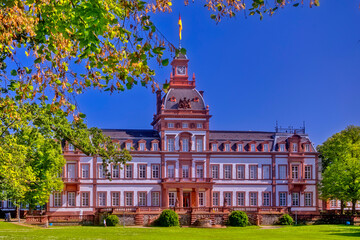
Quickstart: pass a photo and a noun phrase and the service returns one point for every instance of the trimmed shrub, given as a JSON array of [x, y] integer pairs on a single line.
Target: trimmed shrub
[[238, 219], [285, 219], [112, 220], [168, 218]]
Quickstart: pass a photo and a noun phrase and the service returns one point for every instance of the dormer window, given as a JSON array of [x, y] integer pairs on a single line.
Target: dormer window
[[294, 147], [282, 147], [71, 147], [214, 147], [155, 146], [185, 125], [199, 125], [142, 147], [227, 147], [252, 147], [266, 147], [128, 146], [307, 147], [240, 147], [170, 125]]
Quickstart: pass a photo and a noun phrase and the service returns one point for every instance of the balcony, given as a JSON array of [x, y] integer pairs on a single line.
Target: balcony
[[71, 184], [71, 180], [297, 181], [187, 180], [297, 185]]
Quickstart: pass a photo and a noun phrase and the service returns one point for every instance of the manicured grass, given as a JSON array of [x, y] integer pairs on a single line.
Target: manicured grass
[[333, 232]]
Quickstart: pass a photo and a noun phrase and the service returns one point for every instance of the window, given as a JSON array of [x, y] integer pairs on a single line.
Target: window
[[57, 199], [115, 171], [215, 199], [240, 198], [85, 199], [128, 146], [282, 199], [199, 125], [282, 171], [129, 198], [295, 171], [170, 125], [199, 145], [185, 171], [170, 171], [155, 199], [155, 171], [307, 147], [214, 147], [102, 171], [71, 199], [10, 204], [215, 171], [85, 171], [200, 171], [252, 147], [253, 199], [308, 199], [142, 199], [71, 147], [227, 147], [102, 199], [185, 144], [115, 199], [201, 199], [295, 199], [282, 147], [240, 172], [240, 147], [155, 146], [266, 147], [185, 125], [333, 203], [266, 171], [253, 171], [172, 199], [171, 144], [266, 199], [142, 146], [228, 198], [294, 147], [129, 171], [227, 171], [142, 171], [308, 172]]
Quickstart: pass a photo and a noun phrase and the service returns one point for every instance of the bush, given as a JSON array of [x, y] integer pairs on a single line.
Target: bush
[[238, 219], [285, 219], [168, 218], [112, 220]]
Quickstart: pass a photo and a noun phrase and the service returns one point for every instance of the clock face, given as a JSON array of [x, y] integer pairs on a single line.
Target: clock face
[[181, 70]]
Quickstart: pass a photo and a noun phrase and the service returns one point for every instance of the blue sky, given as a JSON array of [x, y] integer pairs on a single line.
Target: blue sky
[[299, 65]]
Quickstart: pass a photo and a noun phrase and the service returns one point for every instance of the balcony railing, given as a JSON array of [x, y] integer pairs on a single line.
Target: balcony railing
[[70, 180], [297, 180], [184, 180]]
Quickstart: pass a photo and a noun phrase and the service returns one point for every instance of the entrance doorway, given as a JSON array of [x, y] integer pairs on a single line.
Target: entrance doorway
[[186, 199]]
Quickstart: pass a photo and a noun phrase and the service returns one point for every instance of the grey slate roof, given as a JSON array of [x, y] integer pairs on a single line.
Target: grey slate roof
[[181, 94]]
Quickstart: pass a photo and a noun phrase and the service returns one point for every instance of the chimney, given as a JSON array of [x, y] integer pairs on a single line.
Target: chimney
[[158, 101]]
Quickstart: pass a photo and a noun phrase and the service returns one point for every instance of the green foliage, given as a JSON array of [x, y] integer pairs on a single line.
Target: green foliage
[[112, 220], [238, 219], [168, 218], [341, 166], [285, 219]]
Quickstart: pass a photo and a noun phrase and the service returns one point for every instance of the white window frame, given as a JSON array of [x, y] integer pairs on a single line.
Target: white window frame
[[115, 199], [295, 199], [71, 198]]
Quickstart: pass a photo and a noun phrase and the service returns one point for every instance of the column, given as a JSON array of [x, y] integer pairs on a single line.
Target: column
[[211, 197], [181, 200], [196, 197], [165, 198]]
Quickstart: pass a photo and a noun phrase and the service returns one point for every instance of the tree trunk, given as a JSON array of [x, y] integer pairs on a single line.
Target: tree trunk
[[342, 205], [353, 207]]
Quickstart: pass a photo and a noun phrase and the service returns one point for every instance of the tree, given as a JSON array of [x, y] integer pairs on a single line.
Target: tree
[[341, 166], [50, 51]]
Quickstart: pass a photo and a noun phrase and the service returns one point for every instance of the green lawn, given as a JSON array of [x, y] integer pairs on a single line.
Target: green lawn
[[12, 231]]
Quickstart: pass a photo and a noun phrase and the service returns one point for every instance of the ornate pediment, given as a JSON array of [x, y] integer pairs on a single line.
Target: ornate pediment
[[184, 103]]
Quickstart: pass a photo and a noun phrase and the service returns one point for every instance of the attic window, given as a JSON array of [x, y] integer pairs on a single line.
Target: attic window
[[128, 146], [252, 147], [282, 147], [266, 147], [173, 99], [307, 147], [295, 147], [142, 146], [240, 147], [227, 147], [196, 99]]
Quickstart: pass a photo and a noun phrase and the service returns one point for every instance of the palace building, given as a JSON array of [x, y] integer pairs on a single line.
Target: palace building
[[182, 164]]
